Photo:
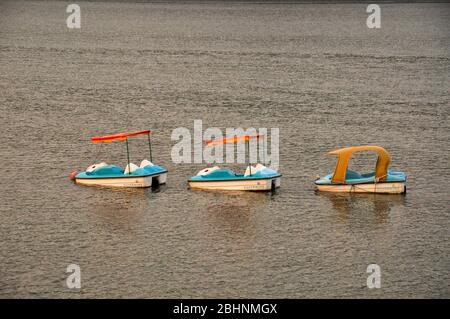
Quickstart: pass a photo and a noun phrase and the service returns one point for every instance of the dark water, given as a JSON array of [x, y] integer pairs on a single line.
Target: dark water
[[314, 71]]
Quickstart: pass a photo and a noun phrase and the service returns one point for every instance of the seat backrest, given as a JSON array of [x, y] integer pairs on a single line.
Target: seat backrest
[[131, 169], [207, 171], [251, 169], [146, 163], [95, 166]]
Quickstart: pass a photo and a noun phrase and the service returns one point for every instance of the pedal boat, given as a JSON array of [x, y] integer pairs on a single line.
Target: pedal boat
[[255, 178], [382, 180], [102, 174]]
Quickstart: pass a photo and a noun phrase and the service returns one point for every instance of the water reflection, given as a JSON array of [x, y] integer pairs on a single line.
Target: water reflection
[[233, 222], [235, 212], [375, 207], [119, 207]]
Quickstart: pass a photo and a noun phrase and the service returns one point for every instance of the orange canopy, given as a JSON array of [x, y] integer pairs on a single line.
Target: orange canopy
[[118, 137], [344, 155], [233, 140]]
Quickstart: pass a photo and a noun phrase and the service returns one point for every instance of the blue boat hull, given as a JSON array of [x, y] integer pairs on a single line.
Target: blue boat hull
[[225, 179], [113, 176], [395, 183]]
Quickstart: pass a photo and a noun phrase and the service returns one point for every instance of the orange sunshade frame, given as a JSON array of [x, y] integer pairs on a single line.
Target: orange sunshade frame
[[344, 155], [117, 137], [233, 140]]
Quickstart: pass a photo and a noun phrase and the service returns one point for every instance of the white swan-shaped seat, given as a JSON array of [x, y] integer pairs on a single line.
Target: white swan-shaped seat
[[130, 168], [207, 171], [254, 169], [95, 166], [146, 163]]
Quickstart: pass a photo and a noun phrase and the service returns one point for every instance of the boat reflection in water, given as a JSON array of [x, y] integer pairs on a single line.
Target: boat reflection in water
[[233, 222], [120, 206], [235, 212], [364, 208]]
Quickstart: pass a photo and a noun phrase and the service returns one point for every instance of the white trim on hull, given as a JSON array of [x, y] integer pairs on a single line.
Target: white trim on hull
[[138, 181], [379, 188], [238, 185]]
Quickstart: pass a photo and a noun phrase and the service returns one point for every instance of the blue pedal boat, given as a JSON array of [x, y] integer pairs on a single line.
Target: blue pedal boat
[[382, 180], [145, 175], [255, 178]]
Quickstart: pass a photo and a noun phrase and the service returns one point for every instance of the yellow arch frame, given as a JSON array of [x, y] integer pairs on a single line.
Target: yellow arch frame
[[344, 155]]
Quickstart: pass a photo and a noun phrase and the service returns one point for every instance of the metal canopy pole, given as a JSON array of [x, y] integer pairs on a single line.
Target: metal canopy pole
[[248, 151], [128, 156], [264, 150], [150, 147]]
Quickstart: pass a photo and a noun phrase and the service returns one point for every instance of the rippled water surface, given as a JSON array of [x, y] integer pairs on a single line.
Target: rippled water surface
[[314, 71]]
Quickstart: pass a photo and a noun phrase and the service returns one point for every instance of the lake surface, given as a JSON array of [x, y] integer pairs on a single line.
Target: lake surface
[[315, 71]]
